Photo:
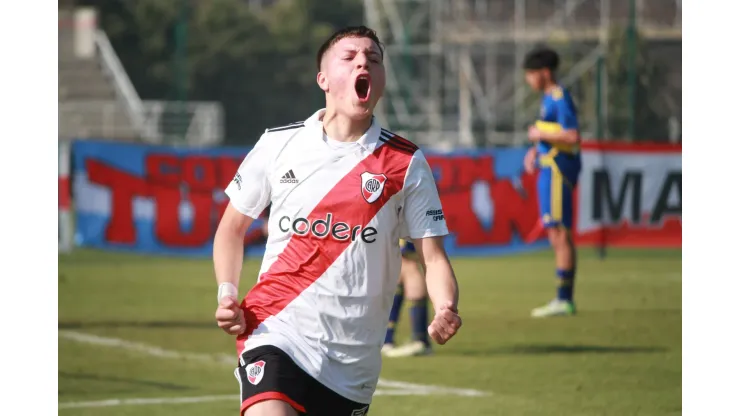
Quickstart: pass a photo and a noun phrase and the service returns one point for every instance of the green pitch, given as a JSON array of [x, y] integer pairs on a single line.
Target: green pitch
[[137, 328]]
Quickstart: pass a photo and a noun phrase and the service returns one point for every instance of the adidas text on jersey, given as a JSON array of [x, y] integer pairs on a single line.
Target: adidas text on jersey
[[289, 177]]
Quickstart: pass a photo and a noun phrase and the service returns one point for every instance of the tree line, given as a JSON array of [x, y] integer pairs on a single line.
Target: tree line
[[259, 62]]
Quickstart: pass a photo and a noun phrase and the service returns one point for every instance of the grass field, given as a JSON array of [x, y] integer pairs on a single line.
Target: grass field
[[138, 328]]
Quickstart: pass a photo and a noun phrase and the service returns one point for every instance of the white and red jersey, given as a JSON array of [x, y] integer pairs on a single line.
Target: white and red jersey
[[332, 261]]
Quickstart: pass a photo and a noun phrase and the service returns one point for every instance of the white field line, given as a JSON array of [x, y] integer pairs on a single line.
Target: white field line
[[162, 400], [385, 387], [146, 349], [203, 399]]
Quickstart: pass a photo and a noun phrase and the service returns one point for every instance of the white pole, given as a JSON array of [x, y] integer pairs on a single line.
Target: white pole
[[65, 202]]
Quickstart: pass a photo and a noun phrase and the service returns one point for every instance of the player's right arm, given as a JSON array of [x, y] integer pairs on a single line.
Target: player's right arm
[[228, 249], [530, 160], [249, 194]]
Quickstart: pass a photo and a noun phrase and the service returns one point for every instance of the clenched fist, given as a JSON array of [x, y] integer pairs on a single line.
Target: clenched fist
[[445, 324], [230, 316]]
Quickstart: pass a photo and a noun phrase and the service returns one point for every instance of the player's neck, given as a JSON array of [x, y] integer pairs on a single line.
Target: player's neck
[[342, 128], [550, 86]]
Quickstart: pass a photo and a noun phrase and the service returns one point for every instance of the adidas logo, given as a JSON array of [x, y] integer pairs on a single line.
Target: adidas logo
[[289, 177]]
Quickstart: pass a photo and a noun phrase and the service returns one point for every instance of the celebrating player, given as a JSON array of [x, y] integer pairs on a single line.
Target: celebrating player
[[556, 151], [342, 192], [411, 287]]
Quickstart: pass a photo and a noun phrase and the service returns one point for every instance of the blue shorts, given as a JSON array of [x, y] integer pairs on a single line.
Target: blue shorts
[[555, 185], [407, 247]]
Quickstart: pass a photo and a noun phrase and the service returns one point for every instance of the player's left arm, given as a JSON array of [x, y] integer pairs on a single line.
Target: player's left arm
[[567, 118], [441, 280], [442, 288], [427, 227]]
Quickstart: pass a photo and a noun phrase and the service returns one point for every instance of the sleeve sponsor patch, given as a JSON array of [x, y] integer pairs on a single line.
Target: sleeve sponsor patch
[[436, 214]]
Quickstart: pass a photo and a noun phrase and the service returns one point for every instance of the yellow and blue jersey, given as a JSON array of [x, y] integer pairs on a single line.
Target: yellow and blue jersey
[[560, 164], [557, 113], [407, 247]]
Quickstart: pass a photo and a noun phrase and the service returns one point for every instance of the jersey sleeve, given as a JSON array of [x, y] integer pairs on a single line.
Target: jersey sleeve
[[250, 191], [566, 113], [422, 209]]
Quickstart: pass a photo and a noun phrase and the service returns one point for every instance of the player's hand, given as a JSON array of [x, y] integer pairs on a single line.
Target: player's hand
[[445, 324], [530, 161], [534, 134], [230, 316]]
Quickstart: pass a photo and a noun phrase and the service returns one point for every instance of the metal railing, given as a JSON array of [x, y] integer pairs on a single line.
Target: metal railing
[[194, 124], [95, 119], [125, 90]]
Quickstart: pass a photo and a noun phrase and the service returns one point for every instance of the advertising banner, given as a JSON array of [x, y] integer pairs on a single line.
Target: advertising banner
[[168, 200], [630, 195]]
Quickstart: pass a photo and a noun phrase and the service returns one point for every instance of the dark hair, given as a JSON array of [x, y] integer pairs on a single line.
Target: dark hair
[[347, 32], [542, 58]]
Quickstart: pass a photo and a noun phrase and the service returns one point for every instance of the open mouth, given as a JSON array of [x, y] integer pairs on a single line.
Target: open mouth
[[362, 87]]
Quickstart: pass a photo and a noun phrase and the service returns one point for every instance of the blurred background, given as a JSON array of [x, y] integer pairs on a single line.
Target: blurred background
[[218, 71], [159, 101]]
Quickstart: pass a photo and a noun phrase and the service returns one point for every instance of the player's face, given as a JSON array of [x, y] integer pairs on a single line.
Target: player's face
[[535, 79], [353, 76]]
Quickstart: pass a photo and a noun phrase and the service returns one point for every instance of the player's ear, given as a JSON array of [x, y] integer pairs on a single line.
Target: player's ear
[[322, 81]]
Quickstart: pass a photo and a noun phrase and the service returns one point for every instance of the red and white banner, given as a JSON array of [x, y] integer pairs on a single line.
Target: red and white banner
[[630, 195], [163, 200]]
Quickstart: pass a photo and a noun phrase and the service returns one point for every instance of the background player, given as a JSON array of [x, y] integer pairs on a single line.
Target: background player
[[411, 287], [556, 152], [341, 190]]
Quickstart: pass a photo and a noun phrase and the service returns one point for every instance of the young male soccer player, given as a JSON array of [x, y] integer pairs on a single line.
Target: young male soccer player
[[411, 287], [342, 192], [556, 151]]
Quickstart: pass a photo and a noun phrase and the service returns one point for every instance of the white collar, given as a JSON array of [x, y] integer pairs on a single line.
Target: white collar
[[368, 141]]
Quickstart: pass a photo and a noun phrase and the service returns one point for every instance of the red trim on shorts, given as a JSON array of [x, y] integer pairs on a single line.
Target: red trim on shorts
[[271, 395], [306, 258]]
